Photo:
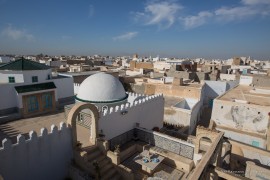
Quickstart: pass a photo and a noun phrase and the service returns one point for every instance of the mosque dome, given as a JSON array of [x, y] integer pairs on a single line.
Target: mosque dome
[[101, 88]]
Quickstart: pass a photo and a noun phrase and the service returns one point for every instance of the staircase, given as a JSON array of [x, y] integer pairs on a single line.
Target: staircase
[[107, 169]]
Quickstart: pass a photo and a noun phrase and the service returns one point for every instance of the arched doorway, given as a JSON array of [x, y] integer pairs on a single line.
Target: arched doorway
[[208, 135], [206, 139], [74, 113], [204, 143]]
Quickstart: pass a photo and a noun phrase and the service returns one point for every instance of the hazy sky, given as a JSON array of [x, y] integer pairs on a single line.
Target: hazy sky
[[190, 28]]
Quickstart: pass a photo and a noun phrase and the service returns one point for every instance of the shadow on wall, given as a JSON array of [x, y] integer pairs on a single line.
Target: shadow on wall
[[52, 151]]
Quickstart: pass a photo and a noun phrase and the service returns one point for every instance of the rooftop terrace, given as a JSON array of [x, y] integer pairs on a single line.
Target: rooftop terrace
[[248, 95]]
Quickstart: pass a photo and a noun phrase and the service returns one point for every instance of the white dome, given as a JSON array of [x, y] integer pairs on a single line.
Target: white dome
[[101, 87]]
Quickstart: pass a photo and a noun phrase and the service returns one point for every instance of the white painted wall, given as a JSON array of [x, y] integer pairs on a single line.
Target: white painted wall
[[5, 59], [168, 79], [25, 76], [187, 103], [156, 81], [217, 88], [8, 96], [246, 117], [245, 80], [135, 97], [232, 84], [241, 67], [266, 66], [160, 65], [64, 87], [57, 63], [42, 61], [229, 61], [244, 138], [187, 113], [258, 72], [191, 102], [227, 77], [149, 114], [133, 73], [42, 75], [45, 157], [74, 68], [213, 89], [76, 87], [181, 117], [182, 104], [4, 77], [125, 63]]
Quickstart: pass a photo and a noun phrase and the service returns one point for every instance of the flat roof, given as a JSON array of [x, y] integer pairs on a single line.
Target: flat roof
[[247, 93]]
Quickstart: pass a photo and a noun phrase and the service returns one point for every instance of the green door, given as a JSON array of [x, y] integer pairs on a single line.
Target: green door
[[210, 104]]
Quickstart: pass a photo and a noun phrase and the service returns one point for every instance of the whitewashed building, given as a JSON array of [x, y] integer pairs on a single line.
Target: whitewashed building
[[185, 113], [213, 89], [28, 88], [123, 110], [131, 123], [243, 114], [5, 59]]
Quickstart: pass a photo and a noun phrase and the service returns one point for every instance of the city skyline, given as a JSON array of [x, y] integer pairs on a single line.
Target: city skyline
[[215, 29]]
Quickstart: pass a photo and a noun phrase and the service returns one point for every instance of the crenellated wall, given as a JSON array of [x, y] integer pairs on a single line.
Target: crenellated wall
[[147, 111], [47, 156], [76, 87], [135, 97]]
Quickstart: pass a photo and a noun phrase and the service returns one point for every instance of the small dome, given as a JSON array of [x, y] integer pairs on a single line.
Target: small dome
[[101, 87]]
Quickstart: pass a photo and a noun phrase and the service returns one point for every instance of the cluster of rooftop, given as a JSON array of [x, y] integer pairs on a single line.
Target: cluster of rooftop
[[119, 117]]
